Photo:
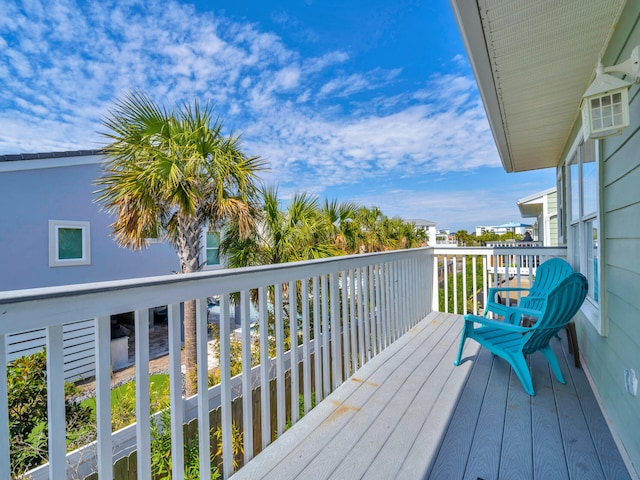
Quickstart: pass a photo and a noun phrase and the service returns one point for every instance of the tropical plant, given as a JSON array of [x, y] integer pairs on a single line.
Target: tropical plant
[[168, 174], [27, 409]]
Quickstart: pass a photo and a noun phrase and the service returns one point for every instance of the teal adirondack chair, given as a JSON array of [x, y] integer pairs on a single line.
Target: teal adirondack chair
[[548, 275], [513, 342]]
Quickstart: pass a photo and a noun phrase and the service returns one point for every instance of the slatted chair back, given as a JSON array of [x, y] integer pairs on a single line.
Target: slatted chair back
[[548, 275], [558, 308]]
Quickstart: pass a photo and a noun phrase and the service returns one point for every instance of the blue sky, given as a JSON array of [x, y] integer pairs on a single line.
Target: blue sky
[[369, 100]]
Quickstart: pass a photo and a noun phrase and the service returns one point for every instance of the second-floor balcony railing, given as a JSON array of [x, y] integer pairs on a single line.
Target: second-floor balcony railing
[[339, 313]]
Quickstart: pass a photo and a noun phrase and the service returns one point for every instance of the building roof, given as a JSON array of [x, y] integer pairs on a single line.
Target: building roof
[[532, 205], [41, 156], [421, 222], [533, 60]]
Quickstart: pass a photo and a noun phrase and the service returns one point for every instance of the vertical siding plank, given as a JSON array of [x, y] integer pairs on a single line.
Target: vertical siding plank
[[55, 402], [247, 394], [225, 387], [202, 334], [143, 423], [103, 396], [175, 391], [265, 367]]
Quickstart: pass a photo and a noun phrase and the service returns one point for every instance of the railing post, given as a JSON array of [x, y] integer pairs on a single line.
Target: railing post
[[353, 321], [5, 462], [103, 396], [202, 365], [280, 368], [225, 388], [306, 341], [317, 340], [346, 350], [143, 411], [55, 401], [326, 355], [247, 392], [335, 330], [175, 391], [293, 334], [265, 367]]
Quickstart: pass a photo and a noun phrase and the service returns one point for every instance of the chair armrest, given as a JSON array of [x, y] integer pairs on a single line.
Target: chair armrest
[[493, 323]]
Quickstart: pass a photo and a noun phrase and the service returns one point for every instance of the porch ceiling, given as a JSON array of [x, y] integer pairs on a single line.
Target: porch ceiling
[[533, 60]]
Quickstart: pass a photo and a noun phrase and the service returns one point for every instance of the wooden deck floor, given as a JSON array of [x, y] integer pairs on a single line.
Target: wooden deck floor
[[409, 414]]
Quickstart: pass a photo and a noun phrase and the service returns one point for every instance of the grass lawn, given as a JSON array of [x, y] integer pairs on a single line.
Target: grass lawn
[[125, 394]]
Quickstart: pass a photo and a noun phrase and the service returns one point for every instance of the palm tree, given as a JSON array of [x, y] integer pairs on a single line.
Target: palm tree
[[281, 234], [167, 175], [340, 226]]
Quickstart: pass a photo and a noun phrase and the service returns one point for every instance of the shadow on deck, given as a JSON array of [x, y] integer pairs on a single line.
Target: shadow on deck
[[410, 414]]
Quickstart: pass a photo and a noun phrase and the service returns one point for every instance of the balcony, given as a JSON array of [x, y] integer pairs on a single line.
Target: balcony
[[374, 339]]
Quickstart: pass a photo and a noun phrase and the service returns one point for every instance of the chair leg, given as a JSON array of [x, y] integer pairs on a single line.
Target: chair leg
[[572, 340], [462, 340], [553, 363], [521, 368]]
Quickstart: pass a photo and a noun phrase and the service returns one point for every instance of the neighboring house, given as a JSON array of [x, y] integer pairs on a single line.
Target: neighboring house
[[533, 64], [543, 206], [513, 227], [55, 234], [426, 225]]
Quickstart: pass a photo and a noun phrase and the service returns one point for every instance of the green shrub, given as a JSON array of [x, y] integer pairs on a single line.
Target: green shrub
[[27, 400]]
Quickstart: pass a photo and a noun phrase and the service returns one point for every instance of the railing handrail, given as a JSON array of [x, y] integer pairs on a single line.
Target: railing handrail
[[36, 308]]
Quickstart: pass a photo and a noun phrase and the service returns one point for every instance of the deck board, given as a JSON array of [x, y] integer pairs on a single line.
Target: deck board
[[410, 414]]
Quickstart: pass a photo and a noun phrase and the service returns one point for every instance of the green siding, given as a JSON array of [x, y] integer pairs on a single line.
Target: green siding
[[607, 357]]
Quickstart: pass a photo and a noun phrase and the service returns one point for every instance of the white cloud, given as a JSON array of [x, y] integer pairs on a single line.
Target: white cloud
[[297, 112]]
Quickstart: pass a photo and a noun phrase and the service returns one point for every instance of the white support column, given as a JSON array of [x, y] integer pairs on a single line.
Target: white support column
[[306, 339], [225, 387], [265, 367], [5, 464], [143, 413], [435, 292], [293, 338], [175, 391], [55, 401], [202, 366], [280, 367], [446, 284], [103, 396], [464, 285]]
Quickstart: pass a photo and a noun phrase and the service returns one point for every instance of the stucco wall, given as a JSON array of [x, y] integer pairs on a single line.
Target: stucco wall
[[30, 198]]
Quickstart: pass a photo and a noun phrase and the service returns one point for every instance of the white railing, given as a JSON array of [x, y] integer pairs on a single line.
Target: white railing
[[356, 306], [454, 292]]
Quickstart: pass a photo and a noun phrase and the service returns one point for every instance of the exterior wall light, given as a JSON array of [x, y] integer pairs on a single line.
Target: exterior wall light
[[605, 104]]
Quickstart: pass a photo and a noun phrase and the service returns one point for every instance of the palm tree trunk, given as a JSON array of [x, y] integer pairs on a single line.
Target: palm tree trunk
[[189, 252]]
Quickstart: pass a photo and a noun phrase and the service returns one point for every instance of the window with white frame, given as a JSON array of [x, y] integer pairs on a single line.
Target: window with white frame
[[69, 243], [583, 221], [212, 248]]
